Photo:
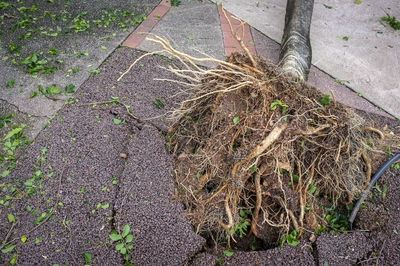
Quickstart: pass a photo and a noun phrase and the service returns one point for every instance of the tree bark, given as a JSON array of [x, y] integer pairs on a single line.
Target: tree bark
[[295, 54]]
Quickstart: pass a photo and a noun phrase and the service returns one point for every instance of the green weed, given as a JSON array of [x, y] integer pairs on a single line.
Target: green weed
[[158, 103], [274, 105], [290, 239], [391, 21], [5, 119], [123, 242], [241, 227], [175, 3], [325, 100]]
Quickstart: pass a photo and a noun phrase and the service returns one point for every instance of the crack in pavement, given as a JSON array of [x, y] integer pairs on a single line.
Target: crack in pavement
[[22, 112]]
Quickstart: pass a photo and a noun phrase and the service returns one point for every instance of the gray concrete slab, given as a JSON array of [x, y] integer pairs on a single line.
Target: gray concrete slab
[[269, 49], [98, 41], [368, 61], [191, 27]]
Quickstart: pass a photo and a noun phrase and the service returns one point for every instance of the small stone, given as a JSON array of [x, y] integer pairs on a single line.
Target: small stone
[[122, 155], [313, 238]]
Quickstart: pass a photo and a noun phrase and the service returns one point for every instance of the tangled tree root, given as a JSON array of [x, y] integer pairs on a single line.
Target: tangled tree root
[[254, 149]]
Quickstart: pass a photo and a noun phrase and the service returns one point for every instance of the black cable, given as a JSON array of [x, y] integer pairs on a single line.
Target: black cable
[[370, 186]]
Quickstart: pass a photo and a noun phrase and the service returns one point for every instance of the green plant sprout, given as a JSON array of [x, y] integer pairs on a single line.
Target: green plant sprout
[[122, 242]]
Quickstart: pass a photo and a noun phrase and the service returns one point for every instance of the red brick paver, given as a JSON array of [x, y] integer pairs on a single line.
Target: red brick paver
[[230, 42], [146, 26]]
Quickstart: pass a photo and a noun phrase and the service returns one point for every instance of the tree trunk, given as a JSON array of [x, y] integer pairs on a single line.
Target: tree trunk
[[295, 54]]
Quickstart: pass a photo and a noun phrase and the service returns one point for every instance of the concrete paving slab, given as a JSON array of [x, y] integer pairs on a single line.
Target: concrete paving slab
[[191, 26], [35, 123], [269, 49], [348, 40], [99, 33]]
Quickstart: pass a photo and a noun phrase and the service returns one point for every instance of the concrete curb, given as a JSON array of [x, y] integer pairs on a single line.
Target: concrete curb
[[140, 33]]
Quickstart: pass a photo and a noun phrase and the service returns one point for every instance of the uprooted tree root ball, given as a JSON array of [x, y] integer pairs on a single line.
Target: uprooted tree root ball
[[255, 150]]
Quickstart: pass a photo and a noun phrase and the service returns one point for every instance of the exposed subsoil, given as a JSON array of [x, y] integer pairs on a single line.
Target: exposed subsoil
[[83, 149]]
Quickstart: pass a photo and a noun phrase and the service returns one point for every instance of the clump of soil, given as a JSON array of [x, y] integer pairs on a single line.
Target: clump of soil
[[256, 151]]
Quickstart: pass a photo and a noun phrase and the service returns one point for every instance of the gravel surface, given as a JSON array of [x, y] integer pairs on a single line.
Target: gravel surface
[[300, 255]]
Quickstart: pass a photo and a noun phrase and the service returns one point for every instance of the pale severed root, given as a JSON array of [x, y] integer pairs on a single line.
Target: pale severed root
[[294, 221], [303, 199], [377, 131], [258, 199], [228, 227], [268, 141], [215, 194]]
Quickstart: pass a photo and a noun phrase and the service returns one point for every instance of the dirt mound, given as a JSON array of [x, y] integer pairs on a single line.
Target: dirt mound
[[260, 154]]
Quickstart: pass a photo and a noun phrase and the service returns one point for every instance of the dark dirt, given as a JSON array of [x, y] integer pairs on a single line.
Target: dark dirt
[[142, 194]]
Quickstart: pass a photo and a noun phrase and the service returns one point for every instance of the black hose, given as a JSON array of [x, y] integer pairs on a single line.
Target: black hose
[[370, 186]]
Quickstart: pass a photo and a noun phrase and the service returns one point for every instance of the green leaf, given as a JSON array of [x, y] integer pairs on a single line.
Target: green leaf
[[277, 103], [312, 189], [87, 257], [104, 47], [158, 103], [5, 173], [190, 38], [125, 230], [40, 218], [228, 253], [117, 121], [53, 90], [129, 238], [119, 246], [70, 88], [129, 247], [33, 94], [14, 259], [10, 83], [253, 169], [123, 251], [23, 238], [115, 236], [8, 249], [11, 218], [14, 131], [325, 100], [236, 120], [346, 38]]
